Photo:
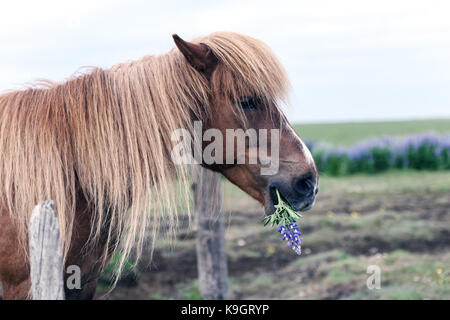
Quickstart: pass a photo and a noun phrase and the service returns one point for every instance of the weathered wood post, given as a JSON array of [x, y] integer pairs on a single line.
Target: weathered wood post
[[211, 255], [46, 266]]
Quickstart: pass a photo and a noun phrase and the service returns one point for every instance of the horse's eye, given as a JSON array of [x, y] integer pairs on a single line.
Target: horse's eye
[[250, 104]]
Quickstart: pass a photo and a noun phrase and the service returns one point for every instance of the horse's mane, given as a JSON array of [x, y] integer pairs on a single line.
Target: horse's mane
[[106, 135]]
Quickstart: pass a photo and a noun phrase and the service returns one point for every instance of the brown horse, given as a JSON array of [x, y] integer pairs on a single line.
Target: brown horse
[[99, 145]]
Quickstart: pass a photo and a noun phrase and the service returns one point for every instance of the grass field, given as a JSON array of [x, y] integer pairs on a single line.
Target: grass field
[[351, 132], [398, 221]]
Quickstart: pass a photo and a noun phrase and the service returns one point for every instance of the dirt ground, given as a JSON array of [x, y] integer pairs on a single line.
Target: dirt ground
[[406, 233]]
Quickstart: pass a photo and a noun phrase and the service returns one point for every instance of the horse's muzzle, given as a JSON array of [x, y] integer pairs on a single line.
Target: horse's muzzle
[[299, 193]]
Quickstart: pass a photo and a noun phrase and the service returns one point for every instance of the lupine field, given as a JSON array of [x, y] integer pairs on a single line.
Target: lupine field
[[384, 200], [421, 151]]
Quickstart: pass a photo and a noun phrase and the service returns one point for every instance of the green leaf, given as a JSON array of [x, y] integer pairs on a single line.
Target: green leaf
[[284, 213]]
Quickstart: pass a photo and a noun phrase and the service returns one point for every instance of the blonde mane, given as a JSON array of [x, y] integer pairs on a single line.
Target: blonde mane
[[107, 135]]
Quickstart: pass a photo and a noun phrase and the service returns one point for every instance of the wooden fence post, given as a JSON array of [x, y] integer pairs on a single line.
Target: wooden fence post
[[46, 266], [211, 255]]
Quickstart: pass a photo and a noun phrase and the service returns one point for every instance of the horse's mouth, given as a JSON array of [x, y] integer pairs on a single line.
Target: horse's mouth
[[295, 203]]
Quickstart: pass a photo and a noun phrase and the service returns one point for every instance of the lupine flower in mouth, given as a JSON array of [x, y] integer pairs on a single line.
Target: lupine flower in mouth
[[286, 217], [291, 234]]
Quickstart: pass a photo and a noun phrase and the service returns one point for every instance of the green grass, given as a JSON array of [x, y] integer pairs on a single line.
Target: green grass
[[190, 292], [336, 275], [351, 132], [397, 220], [400, 215], [129, 271], [391, 181]]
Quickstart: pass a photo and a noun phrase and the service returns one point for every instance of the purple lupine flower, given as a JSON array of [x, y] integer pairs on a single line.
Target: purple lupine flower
[[398, 148], [282, 229], [291, 234]]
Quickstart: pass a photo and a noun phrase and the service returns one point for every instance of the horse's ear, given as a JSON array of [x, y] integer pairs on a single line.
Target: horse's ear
[[200, 56]]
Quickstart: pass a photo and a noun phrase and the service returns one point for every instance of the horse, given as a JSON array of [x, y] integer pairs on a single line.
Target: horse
[[99, 144]]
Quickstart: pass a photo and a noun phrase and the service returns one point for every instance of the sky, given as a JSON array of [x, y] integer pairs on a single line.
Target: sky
[[347, 60]]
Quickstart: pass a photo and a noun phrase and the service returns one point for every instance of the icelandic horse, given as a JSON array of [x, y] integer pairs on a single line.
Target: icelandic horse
[[100, 144]]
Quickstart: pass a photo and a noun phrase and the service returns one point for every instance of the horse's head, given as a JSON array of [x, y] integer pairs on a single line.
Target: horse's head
[[259, 151]]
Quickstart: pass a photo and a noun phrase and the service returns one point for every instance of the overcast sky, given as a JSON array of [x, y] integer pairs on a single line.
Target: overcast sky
[[347, 59]]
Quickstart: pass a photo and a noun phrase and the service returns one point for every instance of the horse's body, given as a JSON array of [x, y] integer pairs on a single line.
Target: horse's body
[[99, 146]]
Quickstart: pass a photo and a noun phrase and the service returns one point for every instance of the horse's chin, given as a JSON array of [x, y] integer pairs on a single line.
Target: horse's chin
[[269, 208], [269, 202]]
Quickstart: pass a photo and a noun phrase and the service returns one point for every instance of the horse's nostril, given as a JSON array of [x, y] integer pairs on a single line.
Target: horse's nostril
[[305, 184]]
